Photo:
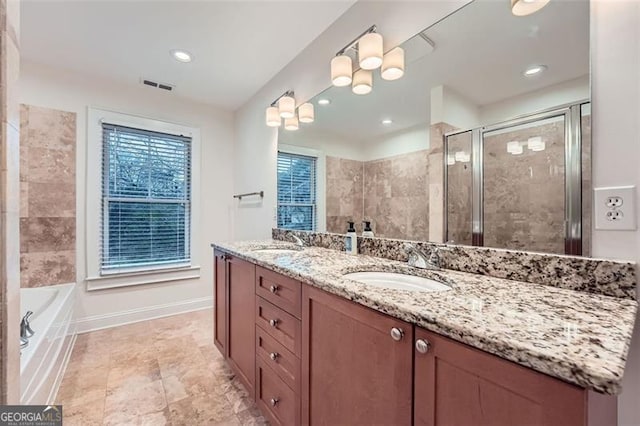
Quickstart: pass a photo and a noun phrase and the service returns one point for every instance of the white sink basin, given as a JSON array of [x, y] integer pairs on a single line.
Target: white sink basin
[[397, 281], [276, 251]]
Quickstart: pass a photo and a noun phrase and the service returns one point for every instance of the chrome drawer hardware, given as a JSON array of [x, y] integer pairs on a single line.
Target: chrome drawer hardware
[[274, 289], [422, 346], [396, 334], [274, 401], [274, 322], [274, 355]]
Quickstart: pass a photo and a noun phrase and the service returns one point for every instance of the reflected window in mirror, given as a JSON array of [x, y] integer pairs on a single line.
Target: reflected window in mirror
[[297, 194]]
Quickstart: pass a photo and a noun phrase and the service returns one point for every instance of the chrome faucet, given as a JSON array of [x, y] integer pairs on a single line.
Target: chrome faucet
[[418, 259], [297, 240], [25, 327]]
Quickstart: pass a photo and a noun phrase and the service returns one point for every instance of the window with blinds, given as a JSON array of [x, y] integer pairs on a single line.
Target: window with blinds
[[146, 199], [296, 192]]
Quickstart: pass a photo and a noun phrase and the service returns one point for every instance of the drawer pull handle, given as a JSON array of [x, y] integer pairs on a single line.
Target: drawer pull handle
[[422, 346], [274, 355], [274, 401], [274, 322], [396, 334], [274, 289]]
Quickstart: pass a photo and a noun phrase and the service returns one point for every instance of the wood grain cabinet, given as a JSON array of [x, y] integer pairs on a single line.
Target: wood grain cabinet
[[456, 385], [220, 301], [241, 277], [356, 363]]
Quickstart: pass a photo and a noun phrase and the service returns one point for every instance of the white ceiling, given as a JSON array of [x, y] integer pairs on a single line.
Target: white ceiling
[[481, 52], [237, 46]]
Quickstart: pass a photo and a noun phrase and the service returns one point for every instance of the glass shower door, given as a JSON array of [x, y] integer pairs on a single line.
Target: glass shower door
[[523, 194]]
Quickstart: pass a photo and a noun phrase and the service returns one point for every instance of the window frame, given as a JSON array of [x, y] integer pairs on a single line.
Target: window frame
[[98, 279], [321, 212]]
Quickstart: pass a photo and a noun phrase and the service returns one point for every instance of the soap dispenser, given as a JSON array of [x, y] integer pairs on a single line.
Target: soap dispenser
[[351, 241], [367, 232]]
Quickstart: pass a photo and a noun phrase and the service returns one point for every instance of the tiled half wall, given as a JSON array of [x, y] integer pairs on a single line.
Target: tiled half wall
[[47, 196]]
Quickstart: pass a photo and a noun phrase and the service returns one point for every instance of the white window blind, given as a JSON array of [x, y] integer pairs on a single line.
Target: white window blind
[[146, 199], [296, 192]]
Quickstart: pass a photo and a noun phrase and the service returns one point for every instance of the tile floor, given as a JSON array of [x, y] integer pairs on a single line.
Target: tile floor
[[161, 372]]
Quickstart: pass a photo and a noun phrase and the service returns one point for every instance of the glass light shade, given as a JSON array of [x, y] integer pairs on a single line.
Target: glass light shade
[[459, 156], [370, 51], [466, 158], [291, 123], [305, 113], [341, 70], [535, 143], [362, 82], [393, 64], [273, 117], [527, 7], [513, 147], [287, 107], [451, 160], [540, 147]]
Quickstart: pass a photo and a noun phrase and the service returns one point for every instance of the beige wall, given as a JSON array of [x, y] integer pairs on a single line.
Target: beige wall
[[9, 203], [47, 196]]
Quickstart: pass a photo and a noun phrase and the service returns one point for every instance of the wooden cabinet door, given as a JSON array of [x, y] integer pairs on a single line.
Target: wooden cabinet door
[[241, 340], [220, 302], [456, 385], [354, 372]]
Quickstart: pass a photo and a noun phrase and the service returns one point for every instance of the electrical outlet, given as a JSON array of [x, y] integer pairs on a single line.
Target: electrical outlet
[[615, 208]]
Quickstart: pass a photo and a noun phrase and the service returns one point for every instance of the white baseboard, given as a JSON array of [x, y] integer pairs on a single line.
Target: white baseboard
[[115, 319]]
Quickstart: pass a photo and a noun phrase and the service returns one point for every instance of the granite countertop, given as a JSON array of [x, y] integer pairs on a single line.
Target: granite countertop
[[579, 337]]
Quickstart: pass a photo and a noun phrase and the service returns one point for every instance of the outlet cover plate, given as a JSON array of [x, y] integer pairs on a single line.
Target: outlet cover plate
[[626, 212]]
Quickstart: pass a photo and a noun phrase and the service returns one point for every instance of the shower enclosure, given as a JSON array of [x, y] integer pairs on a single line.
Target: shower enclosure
[[522, 184]]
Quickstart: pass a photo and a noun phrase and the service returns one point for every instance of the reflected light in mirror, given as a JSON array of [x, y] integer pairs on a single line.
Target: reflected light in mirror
[[527, 7], [305, 113], [370, 51], [362, 82], [324, 102], [534, 70], [393, 64], [462, 157], [291, 123], [287, 107], [536, 144], [451, 160], [387, 121], [273, 117], [514, 147], [341, 70]]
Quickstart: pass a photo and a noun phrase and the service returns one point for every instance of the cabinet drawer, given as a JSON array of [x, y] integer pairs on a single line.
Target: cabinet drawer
[[284, 292], [283, 327], [275, 399], [282, 361]]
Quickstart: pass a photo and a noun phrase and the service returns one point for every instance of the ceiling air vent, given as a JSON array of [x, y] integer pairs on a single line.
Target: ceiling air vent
[[164, 86]]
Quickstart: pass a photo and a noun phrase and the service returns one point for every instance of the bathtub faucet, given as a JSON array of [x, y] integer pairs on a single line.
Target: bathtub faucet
[[25, 328]]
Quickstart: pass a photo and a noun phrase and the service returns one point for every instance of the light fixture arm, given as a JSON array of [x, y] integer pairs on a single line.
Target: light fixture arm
[[371, 29], [287, 93]]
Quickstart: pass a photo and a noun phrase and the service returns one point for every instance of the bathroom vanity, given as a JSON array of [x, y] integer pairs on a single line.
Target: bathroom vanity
[[315, 348]]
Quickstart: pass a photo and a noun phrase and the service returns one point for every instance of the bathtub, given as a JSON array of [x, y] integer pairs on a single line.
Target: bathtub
[[42, 363]]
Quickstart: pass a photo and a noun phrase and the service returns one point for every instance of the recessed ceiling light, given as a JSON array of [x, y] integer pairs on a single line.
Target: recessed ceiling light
[[387, 121], [324, 102], [181, 55], [534, 69]]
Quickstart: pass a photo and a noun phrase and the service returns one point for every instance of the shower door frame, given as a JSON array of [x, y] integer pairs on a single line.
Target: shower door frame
[[572, 115]]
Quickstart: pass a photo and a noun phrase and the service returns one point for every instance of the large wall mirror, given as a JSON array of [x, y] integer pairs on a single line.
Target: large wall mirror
[[484, 141]]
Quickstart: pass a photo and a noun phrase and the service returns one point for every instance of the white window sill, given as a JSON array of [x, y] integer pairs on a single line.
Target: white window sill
[[142, 278]]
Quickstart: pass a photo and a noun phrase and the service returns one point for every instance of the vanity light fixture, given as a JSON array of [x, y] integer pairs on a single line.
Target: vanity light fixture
[[451, 160], [291, 123], [534, 70], [393, 64], [181, 55], [536, 144], [324, 101], [306, 113], [462, 157], [527, 7], [362, 82], [514, 148], [370, 52], [287, 105], [273, 117]]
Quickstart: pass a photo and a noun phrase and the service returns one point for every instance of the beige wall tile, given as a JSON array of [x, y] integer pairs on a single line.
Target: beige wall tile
[[43, 234], [47, 268], [50, 165], [52, 200], [51, 129]]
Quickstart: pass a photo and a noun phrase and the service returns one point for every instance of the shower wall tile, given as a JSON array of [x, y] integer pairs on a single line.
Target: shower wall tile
[[48, 197], [436, 180], [344, 193]]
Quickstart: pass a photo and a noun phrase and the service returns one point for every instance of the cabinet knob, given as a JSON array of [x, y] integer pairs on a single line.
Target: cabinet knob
[[396, 334], [422, 346], [274, 401], [274, 289], [274, 355], [274, 322]]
